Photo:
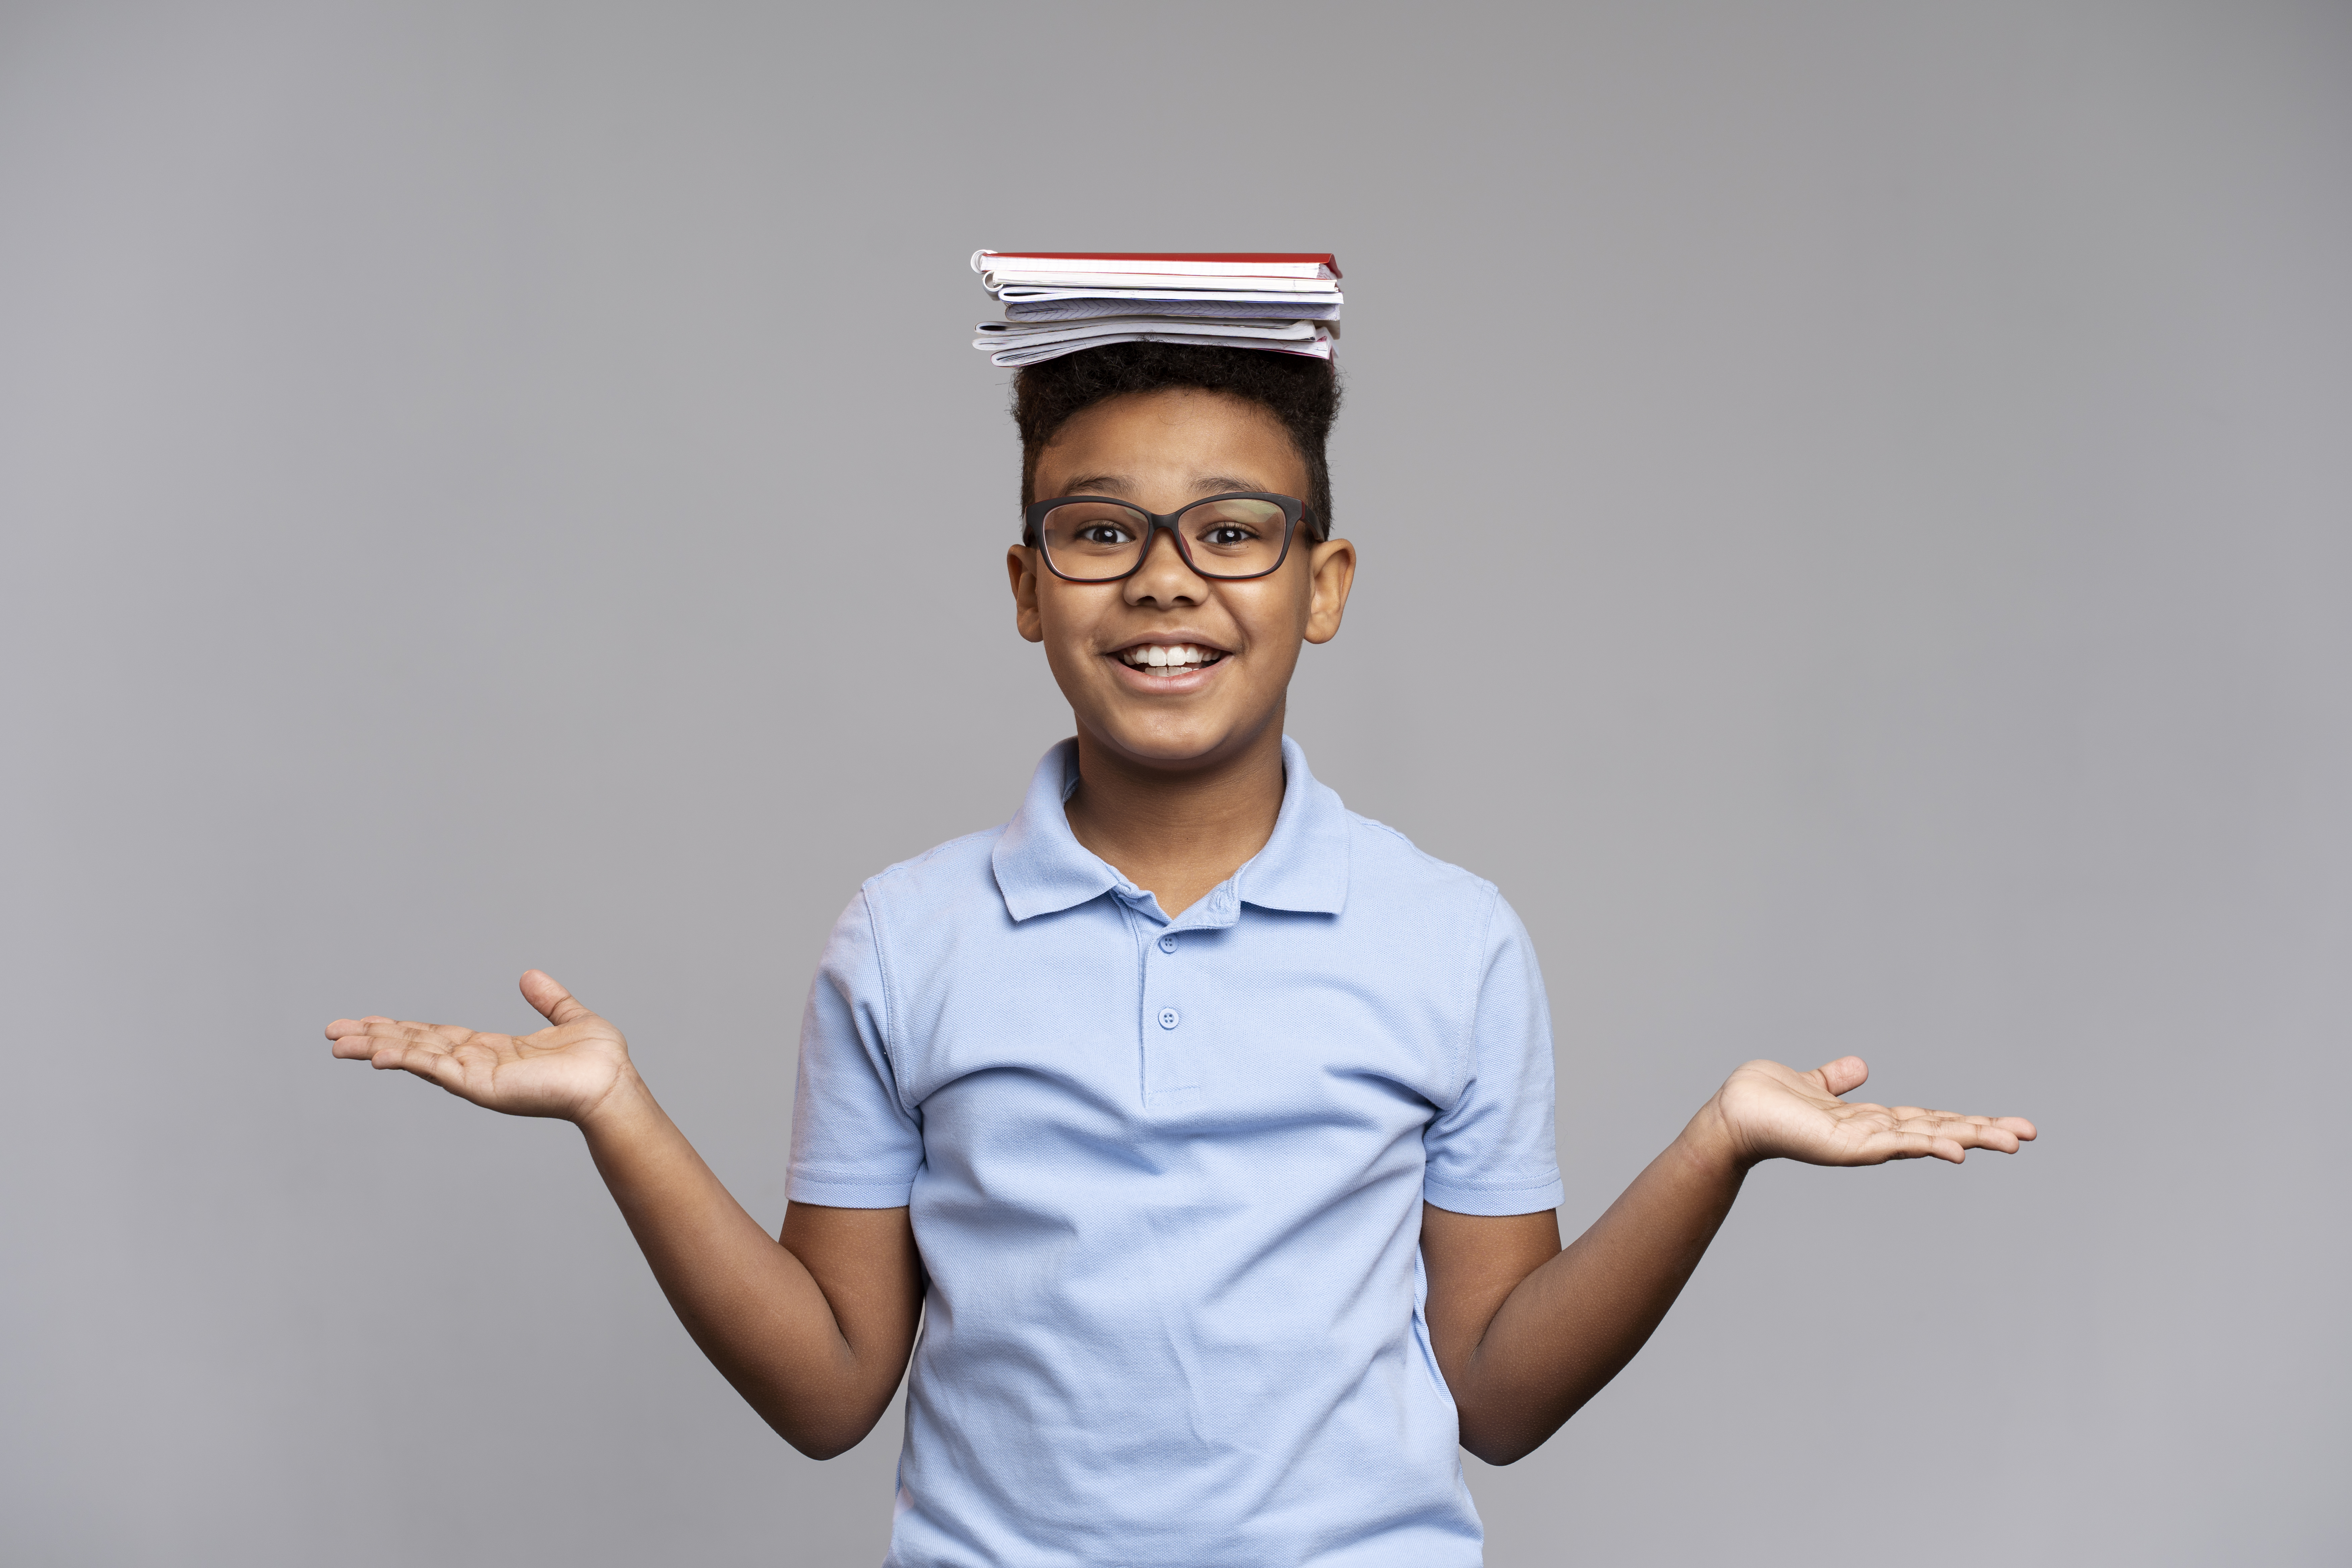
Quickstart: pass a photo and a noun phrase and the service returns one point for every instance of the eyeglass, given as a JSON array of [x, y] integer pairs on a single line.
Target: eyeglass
[[1093, 538]]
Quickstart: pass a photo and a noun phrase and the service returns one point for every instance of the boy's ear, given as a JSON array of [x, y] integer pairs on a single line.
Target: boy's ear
[[1020, 564], [1331, 573]]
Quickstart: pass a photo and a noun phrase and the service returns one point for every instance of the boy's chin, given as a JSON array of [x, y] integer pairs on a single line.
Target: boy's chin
[[1185, 746]]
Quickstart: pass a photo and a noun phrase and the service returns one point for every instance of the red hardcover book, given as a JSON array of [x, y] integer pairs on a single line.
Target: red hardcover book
[[1162, 263]]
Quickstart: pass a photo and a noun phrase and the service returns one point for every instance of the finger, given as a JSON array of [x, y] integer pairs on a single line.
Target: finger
[[428, 1050], [1912, 1145], [383, 1030], [379, 1023], [1978, 1132], [556, 1004], [1967, 1137], [1842, 1076], [2003, 1132], [359, 1039], [1952, 1136], [435, 1067]]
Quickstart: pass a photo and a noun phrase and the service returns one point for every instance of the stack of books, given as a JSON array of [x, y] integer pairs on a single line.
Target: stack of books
[[1059, 301]]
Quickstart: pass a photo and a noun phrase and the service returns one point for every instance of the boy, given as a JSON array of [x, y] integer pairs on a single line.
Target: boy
[[1206, 1127]]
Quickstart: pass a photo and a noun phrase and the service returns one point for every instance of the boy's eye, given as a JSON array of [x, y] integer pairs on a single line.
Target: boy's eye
[[1245, 535]]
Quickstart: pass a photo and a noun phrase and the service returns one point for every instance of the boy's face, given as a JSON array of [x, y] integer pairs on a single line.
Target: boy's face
[[1159, 450]]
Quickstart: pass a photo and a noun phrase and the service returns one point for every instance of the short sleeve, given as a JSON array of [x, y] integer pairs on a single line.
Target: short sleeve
[[855, 1145], [1493, 1151]]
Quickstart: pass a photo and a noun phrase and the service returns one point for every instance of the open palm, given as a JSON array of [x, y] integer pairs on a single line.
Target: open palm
[[566, 1069], [1773, 1113]]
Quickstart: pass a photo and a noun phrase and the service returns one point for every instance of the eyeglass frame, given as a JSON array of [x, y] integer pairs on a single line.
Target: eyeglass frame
[[1294, 512]]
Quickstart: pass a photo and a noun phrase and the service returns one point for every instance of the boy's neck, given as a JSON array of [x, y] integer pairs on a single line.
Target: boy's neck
[[1177, 834]]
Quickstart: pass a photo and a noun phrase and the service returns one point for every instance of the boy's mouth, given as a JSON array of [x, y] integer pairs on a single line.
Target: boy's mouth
[[1168, 658]]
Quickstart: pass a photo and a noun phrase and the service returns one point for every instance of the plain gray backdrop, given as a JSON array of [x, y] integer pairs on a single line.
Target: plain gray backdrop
[[1853, 512]]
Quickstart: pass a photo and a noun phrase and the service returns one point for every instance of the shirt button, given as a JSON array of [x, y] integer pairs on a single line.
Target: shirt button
[[1168, 943], [1168, 1018]]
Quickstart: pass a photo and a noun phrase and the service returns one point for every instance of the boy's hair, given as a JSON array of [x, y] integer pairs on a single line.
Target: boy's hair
[[1301, 392]]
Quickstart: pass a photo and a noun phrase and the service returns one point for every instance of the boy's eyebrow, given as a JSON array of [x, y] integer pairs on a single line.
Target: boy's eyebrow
[[1120, 484], [1218, 484], [1099, 484]]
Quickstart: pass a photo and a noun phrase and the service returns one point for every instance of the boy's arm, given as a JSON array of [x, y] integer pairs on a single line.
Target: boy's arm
[[813, 1328], [1526, 1333]]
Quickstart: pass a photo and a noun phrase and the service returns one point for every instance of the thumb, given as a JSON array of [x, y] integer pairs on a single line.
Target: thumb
[[558, 1006], [1842, 1076]]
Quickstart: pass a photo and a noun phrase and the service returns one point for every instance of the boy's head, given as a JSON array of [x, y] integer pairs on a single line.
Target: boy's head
[[1302, 393], [1180, 663]]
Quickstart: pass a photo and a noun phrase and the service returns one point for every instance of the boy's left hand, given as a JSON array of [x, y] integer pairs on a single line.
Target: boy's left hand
[[1766, 1111], [1526, 1332]]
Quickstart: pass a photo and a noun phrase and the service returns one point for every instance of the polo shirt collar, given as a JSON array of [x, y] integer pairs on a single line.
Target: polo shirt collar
[[1304, 866], [1041, 866]]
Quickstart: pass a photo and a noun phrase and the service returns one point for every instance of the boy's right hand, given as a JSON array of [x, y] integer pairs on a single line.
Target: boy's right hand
[[764, 1308], [567, 1070]]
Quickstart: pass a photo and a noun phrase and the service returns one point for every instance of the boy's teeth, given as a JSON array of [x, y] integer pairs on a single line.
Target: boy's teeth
[[1161, 657]]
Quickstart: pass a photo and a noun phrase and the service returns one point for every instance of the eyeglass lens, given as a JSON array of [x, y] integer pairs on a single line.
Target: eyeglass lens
[[1093, 539]]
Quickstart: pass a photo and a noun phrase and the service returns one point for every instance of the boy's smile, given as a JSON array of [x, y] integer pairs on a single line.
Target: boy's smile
[[1160, 665], [1168, 668]]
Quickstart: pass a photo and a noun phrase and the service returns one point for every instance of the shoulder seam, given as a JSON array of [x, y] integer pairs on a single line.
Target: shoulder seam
[[1465, 872], [890, 998], [1467, 1056], [913, 860]]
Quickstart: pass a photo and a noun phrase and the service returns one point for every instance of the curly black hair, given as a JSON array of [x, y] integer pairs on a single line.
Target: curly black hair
[[1301, 391]]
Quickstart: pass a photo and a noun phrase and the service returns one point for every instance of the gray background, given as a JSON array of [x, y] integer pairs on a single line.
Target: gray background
[[1907, 615]]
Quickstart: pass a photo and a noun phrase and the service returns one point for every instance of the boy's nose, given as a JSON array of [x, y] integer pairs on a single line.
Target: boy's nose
[[1164, 575]]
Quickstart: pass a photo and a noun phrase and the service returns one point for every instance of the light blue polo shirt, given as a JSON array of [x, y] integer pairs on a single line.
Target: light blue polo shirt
[[1167, 1178]]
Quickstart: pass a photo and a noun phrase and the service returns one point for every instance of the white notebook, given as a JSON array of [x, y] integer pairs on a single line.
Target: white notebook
[[1318, 347], [1058, 302]]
